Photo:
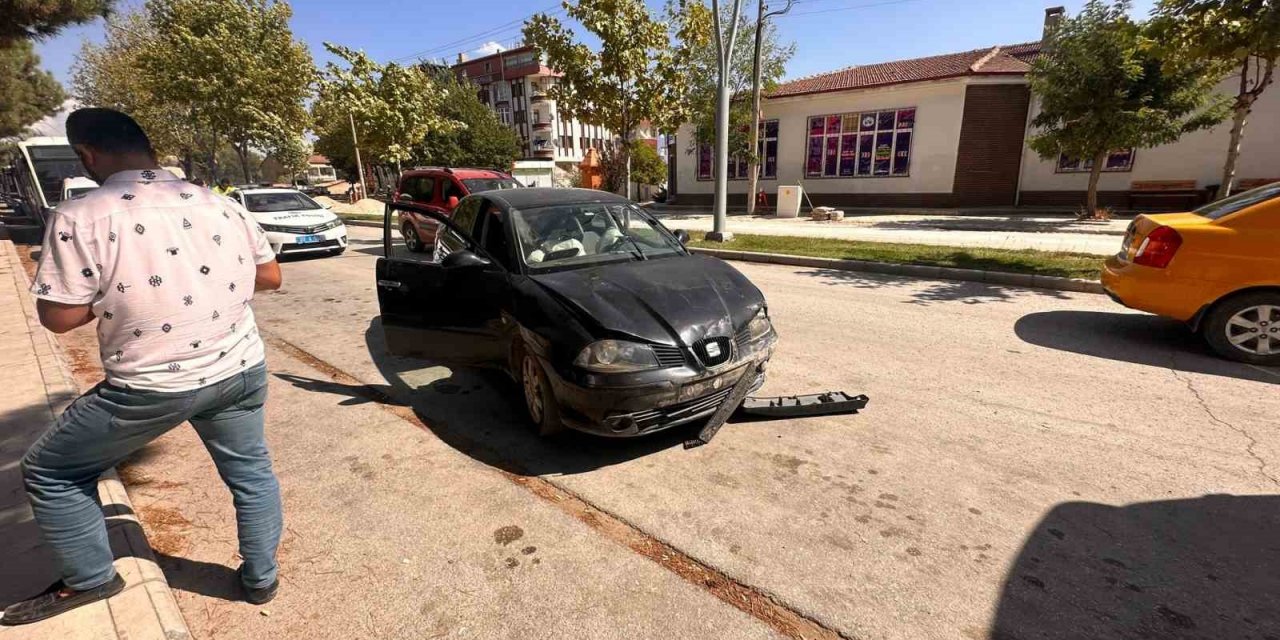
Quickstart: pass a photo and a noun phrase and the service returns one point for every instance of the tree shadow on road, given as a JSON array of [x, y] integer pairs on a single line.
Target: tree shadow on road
[[932, 291], [1178, 569], [1137, 338]]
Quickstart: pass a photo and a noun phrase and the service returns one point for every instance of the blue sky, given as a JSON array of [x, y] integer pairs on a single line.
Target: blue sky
[[829, 34]]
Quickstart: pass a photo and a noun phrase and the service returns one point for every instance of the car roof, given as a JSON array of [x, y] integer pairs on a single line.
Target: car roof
[[461, 173], [532, 197]]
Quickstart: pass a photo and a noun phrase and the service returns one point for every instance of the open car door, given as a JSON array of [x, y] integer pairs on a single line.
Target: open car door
[[440, 310]]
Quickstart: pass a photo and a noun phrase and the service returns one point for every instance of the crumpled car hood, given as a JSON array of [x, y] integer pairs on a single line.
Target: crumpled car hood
[[677, 300]]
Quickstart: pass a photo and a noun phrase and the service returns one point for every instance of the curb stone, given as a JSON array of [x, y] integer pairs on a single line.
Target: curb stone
[[1074, 285], [147, 607]]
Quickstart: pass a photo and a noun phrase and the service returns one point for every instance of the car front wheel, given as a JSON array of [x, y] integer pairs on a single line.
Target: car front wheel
[[411, 239], [539, 400], [1246, 328]]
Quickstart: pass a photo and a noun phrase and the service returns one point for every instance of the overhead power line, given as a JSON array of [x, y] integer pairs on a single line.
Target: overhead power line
[[489, 33], [848, 8]]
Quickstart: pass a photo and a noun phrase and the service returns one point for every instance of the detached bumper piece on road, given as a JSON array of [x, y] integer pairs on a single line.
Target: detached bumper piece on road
[[816, 404]]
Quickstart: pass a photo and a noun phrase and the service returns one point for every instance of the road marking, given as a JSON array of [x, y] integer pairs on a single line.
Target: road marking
[[1265, 370], [750, 600]]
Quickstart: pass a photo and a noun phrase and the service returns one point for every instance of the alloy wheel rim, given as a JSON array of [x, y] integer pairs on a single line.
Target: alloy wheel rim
[[1255, 330], [532, 390], [411, 238]]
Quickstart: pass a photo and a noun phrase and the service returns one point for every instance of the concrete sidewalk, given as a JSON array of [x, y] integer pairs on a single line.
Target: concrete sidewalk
[[996, 232], [37, 387]]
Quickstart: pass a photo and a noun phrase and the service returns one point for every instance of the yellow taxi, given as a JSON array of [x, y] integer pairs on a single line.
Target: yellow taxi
[[1216, 268]]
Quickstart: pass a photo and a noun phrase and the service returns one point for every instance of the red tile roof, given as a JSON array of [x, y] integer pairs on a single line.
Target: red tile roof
[[1004, 60]]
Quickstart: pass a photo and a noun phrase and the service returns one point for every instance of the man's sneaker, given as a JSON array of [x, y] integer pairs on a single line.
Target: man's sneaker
[[262, 595], [58, 599]]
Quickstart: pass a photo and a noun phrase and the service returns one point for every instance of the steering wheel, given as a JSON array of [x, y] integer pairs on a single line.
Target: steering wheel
[[565, 233]]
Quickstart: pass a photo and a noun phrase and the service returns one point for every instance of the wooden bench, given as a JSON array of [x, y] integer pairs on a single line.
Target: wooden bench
[[1170, 194], [1251, 183]]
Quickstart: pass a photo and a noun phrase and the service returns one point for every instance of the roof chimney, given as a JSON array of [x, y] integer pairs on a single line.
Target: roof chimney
[[462, 57], [1052, 16]]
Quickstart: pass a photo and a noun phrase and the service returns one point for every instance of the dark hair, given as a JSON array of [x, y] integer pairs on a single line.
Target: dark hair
[[108, 131]]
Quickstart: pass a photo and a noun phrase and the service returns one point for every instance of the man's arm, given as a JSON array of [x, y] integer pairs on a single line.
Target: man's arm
[[268, 277], [59, 317]]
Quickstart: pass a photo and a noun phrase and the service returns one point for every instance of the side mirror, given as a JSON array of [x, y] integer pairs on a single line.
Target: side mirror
[[404, 197], [464, 258], [453, 202], [682, 236]]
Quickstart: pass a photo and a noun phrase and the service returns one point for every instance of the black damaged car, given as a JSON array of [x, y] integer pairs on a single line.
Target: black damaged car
[[604, 319]]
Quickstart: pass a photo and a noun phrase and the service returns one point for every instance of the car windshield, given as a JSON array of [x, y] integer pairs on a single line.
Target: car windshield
[[75, 191], [273, 202], [585, 234], [476, 185], [1228, 206]]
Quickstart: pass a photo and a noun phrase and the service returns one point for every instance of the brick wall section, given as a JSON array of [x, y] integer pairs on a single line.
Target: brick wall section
[[990, 151]]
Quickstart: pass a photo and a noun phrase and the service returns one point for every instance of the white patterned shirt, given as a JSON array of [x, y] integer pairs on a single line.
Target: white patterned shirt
[[169, 270]]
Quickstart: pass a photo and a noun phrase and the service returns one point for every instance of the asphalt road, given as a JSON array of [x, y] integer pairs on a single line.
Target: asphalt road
[[1032, 464]]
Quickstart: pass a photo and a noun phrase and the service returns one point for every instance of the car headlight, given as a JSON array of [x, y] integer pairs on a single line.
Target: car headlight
[[759, 326], [616, 356], [273, 227]]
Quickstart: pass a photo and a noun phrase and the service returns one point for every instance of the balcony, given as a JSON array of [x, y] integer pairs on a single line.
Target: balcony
[[544, 152], [539, 97], [544, 125]]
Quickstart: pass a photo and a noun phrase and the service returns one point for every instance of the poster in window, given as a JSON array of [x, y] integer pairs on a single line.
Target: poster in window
[[902, 153], [849, 123], [906, 118], [771, 129], [833, 124], [868, 122], [884, 152], [814, 165], [771, 159], [848, 154], [1119, 160], [704, 162], [816, 126], [865, 142], [886, 120], [832, 156], [1067, 163]]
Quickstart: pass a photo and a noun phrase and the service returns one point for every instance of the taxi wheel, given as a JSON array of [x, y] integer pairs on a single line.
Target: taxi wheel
[[1246, 328], [411, 239], [539, 399]]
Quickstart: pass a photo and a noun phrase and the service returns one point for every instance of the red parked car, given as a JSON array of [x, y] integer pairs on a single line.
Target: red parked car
[[438, 189]]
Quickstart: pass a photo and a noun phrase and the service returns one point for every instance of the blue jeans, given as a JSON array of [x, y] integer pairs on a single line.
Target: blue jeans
[[106, 424]]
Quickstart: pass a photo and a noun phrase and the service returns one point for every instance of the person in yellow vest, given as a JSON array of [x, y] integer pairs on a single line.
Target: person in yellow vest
[[224, 187]]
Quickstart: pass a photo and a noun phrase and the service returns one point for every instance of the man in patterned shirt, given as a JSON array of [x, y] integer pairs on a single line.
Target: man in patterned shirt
[[167, 269]]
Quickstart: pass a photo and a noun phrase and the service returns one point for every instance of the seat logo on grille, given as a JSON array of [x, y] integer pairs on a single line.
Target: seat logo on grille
[[713, 350]]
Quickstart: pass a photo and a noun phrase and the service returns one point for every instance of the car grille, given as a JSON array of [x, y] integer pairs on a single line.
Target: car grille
[[721, 347], [668, 356], [306, 230], [327, 244], [656, 418]]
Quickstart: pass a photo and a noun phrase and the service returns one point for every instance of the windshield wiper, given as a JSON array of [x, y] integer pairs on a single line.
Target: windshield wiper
[[622, 228]]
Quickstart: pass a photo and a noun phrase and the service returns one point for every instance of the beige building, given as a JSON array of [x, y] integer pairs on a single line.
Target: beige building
[[951, 131]]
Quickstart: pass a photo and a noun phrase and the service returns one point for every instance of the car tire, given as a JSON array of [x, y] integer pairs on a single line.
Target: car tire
[[411, 240], [539, 399], [1243, 327]]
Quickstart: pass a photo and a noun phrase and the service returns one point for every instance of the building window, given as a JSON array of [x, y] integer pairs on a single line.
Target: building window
[[520, 116], [517, 88], [582, 143], [1117, 161], [869, 144], [488, 67], [768, 151], [504, 115]]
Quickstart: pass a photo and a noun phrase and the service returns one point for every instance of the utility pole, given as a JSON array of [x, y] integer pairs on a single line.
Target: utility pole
[[753, 167], [355, 144], [724, 56]]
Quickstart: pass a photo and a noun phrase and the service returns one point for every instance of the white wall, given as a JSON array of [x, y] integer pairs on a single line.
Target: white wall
[[939, 110], [1199, 155]]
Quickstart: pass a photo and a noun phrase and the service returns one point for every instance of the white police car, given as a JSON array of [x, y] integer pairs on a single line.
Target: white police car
[[294, 222]]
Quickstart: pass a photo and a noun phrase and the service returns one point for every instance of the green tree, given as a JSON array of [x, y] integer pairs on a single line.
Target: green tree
[[28, 92], [1101, 89], [481, 140], [1237, 35], [232, 69], [26, 19], [638, 73], [646, 166], [394, 107]]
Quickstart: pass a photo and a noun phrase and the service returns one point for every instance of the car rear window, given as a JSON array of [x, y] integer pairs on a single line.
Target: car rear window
[[476, 185], [1228, 206]]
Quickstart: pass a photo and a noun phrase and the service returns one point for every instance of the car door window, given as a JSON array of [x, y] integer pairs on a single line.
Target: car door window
[[423, 189], [465, 218], [495, 237], [448, 188]]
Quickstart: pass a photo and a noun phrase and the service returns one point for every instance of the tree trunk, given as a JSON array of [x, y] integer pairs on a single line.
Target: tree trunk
[[1238, 121], [242, 151], [1091, 200], [753, 167]]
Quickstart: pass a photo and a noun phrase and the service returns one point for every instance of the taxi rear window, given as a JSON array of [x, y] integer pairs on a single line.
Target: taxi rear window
[[1228, 206]]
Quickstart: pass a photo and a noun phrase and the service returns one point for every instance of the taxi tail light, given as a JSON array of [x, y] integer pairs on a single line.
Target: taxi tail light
[[1158, 248]]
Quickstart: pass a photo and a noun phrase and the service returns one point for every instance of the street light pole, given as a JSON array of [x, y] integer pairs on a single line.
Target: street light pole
[[355, 144], [757, 70]]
